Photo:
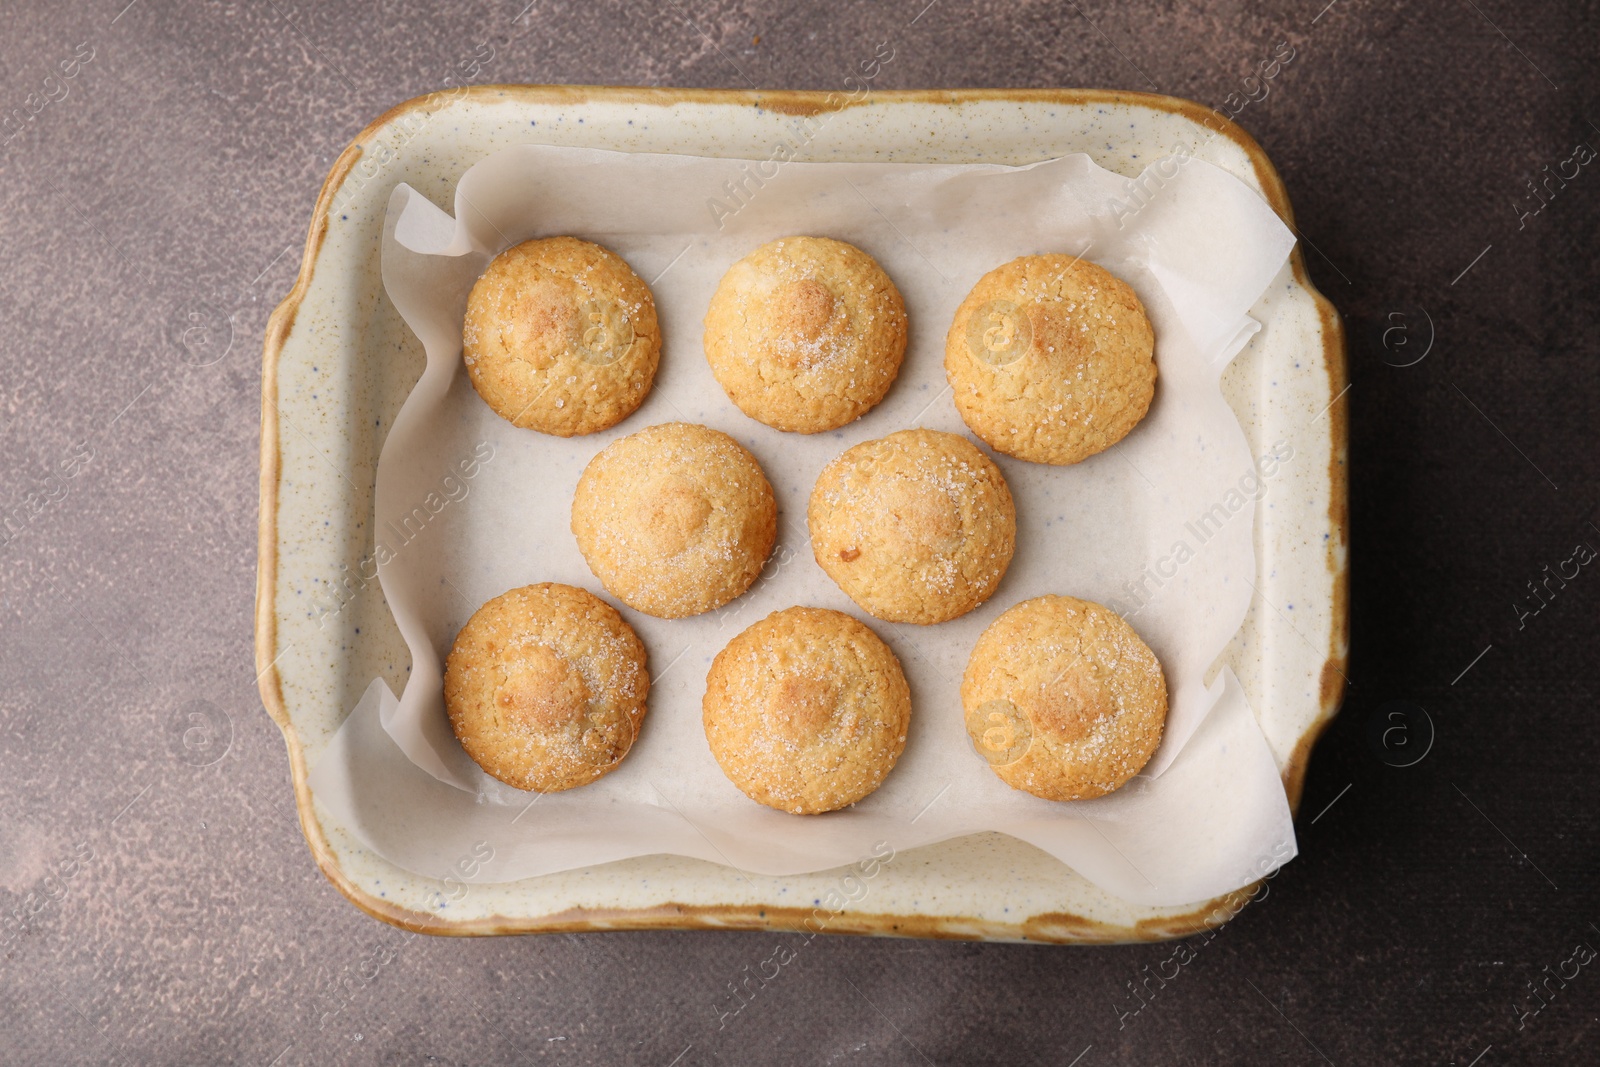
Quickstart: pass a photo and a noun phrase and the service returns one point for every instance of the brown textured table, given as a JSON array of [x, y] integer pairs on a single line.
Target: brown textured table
[[157, 901]]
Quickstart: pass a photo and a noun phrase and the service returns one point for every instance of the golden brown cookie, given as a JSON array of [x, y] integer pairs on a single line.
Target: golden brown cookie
[[1063, 698], [806, 333], [1050, 359], [916, 527], [675, 519], [806, 711], [561, 337], [546, 687]]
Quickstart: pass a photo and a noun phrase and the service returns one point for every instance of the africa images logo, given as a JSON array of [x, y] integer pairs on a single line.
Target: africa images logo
[[999, 333], [604, 333], [1000, 732]]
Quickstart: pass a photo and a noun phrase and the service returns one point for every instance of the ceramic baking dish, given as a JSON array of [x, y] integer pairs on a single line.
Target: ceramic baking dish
[[339, 362]]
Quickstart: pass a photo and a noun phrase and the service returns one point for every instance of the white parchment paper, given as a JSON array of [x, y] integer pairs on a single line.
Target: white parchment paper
[[468, 506]]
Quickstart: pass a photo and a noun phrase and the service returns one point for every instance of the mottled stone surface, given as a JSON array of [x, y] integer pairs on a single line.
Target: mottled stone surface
[[162, 905]]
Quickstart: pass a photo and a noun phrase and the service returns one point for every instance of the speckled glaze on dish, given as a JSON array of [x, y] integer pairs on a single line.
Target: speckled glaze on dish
[[339, 362]]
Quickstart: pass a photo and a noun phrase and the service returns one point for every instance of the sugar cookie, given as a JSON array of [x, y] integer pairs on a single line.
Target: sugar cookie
[[545, 687], [1064, 699], [917, 527], [675, 520], [561, 337], [806, 333], [1050, 359], [807, 710]]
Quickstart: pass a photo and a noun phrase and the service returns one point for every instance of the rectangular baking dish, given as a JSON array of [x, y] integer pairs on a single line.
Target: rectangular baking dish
[[338, 363]]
